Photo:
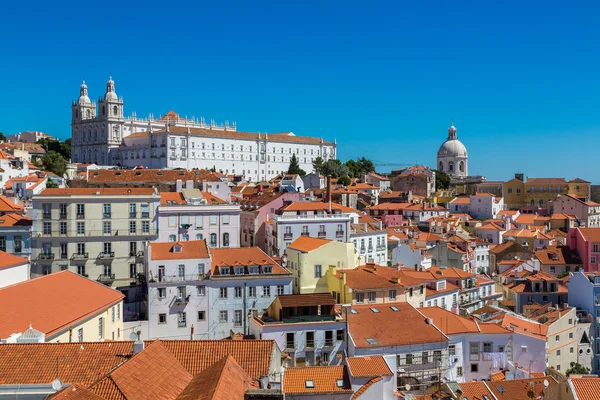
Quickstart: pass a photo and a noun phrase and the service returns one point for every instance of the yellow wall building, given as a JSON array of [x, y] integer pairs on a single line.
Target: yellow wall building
[[540, 192], [309, 258]]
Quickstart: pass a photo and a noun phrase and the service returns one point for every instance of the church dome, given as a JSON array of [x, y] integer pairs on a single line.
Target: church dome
[[83, 100], [110, 95], [452, 148]]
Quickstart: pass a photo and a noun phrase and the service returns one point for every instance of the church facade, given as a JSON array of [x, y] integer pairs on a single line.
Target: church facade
[[101, 134]]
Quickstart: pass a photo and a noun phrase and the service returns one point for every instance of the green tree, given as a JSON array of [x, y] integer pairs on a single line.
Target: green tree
[[360, 166], [344, 180], [54, 162], [51, 184], [442, 179], [353, 167], [577, 368], [62, 148], [2, 137], [294, 167], [318, 164], [334, 169]]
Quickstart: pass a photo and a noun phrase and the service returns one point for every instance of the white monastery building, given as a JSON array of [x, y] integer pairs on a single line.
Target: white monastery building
[[101, 134]]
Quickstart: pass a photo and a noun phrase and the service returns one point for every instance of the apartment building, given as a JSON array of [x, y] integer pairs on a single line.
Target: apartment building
[[586, 211], [586, 241], [194, 215], [98, 233], [202, 293], [307, 327], [315, 219], [370, 241]]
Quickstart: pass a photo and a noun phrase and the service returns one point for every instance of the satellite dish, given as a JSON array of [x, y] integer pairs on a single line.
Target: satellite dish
[[407, 387], [56, 384], [133, 336], [546, 383]]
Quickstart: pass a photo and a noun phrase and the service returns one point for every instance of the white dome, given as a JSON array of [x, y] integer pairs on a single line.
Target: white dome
[[110, 96], [452, 148], [84, 101]]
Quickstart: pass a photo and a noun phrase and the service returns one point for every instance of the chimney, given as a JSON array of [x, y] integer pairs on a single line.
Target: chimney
[[189, 184], [328, 199], [178, 185], [192, 332], [138, 345], [396, 280]]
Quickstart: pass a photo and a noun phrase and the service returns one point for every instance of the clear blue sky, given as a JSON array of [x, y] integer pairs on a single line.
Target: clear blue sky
[[384, 78]]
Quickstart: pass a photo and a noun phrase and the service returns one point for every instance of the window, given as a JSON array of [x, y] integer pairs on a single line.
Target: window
[[339, 335], [557, 353], [80, 335], [181, 320], [181, 271], [372, 296], [47, 228], [459, 371], [226, 239], [557, 338], [80, 210], [222, 316], [237, 318], [409, 359], [452, 350], [237, 292], [119, 312], [107, 248], [162, 318], [213, 219], [146, 227], [474, 368], [162, 293], [63, 210], [201, 315], [474, 349], [106, 228], [251, 291], [317, 271], [145, 210], [360, 297], [213, 240], [392, 295], [226, 219], [100, 327], [172, 238], [132, 226], [487, 347], [63, 228], [106, 209], [570, 335], [223, 293], [266, 291], [132, 210]]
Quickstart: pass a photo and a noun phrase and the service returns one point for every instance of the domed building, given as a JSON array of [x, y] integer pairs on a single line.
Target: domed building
[[452, 157]]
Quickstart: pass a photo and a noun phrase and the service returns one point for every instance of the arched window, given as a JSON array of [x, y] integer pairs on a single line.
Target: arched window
[[171, 238], [226, 239], [213, 240], [88, 114], [441, 166], [115, 110], [541, 203], [461, 166], [185, 236], [451, 166], [198, 236], [532, 203]]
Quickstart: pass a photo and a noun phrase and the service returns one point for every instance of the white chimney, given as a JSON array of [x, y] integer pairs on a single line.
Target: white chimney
[[179, 186]]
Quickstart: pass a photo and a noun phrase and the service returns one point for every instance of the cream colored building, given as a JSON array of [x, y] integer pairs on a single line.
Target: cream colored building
[[562, 339], [308, 259], [98, 233], [61, 307]]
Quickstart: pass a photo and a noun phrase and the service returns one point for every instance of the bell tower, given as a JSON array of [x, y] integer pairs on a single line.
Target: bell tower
[[110, 112]]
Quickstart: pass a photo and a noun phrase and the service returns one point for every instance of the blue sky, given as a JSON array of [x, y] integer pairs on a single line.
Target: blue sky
[[384, 78]]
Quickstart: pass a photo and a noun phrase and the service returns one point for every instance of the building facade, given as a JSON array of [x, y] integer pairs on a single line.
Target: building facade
[[102, 134]]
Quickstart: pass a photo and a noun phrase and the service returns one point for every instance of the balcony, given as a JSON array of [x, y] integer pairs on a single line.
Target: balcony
[[362, 250], [370, 249], [107, 255], [329, 342], [47, 215], [81, 256], [290, 345], [63, 215], [339, 233], [304, 234], [381, 247], [310, 344], [63, 256], [178, 278], [180, 300], [465, 302], [81, 216], [145, 214], [288, 235], [46, 256], [132, 214], [106, 215], [322, 234], [140, 253], [106, 279]]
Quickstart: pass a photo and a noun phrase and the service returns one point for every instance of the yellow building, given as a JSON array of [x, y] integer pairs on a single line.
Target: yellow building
[[513, 193], [309, 258], [578, 187], [539, 193], [60, 307], [374, 284]]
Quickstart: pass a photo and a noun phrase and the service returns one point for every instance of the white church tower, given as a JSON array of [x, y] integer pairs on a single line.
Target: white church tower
[[452, 157]]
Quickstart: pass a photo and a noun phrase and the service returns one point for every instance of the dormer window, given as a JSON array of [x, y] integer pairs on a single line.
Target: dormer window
[[441, 285], [224, 270], [177, 248], [267, 269], [239, 270], [253, 270]]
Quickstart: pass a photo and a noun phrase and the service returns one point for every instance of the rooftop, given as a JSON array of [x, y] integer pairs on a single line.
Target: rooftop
[[243, 257], [306, 244], [365, 367], [8, 260], [303, 300], [328, 380], [97, 191], [191, 249], [150, 176]]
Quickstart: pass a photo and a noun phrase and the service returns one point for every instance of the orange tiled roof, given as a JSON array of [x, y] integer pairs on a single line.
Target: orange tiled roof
[[243, 256], [306, 243], [366, 387], [52, 303], [151, 176], [586, 388], [524, 326], [316, 206], [169, 198], [14, 220], [475, 391], [593, 233], [460, 200], [74, 392], [309, 299], [190, 249], [364, 367], [8, 260], [99, 191], [324, 380], [557, 255], [365, 326], [518, 389], [8, 206], [452, 324]]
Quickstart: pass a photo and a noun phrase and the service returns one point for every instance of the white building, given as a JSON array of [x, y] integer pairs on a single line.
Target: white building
[[13, 269], [452, 157], [305, 326], [103, 135], [370, 242], [195, 215], [11, 167], [412, 256], [291, 182], [314, 219], [482, 257], [201, 293], [485, 205]]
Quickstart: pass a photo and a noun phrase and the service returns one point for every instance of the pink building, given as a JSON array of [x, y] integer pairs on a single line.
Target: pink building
[[587, 243], [588, 212], [256, 210]]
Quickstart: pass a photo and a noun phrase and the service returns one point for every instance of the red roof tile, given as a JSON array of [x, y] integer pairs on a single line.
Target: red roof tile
[[306, 243], [324, 380], [364, 367], [190, 249]]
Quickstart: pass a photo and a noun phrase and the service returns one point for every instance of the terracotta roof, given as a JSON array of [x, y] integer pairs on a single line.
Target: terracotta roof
[[170, 198], [523, 325], [126, 176], [98, 191], [324, 380], [212, 199], [364, 367], [475, 391], [170, 116], [8, 206], [316, 206], [460, 200], [558, 255], [517, 389], [224, 380], [537, 181], [287, 137], [593, 233], [452, 324], [8, 260], [74, 392], [307, 243], [365, 326], [243, 257], [300, 300], [52, 302], [362, 279], [190, 249], [586, 388]]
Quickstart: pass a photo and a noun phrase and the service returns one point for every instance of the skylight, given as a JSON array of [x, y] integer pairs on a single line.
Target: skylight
[[374, 310], [309, 384], [394, 308], [340, 383], [353, 311], [371, 341]]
